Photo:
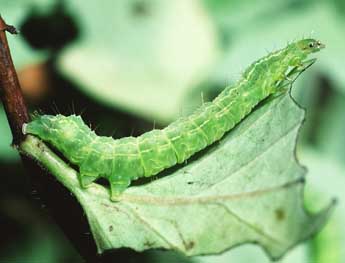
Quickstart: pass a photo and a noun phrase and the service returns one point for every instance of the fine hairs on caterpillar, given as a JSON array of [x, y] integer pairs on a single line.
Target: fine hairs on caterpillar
[[122, 160]]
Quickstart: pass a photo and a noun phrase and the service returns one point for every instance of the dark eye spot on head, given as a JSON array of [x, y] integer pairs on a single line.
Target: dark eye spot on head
[[311, 44]]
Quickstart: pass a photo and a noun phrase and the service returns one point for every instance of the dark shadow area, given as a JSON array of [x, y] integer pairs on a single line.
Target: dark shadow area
[[325, 93]]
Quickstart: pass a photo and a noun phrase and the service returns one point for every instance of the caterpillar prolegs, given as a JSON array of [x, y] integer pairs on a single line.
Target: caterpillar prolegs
[[126, 159]]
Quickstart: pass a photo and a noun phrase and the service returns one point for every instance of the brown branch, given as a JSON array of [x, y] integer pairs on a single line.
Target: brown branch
[[10, 92]]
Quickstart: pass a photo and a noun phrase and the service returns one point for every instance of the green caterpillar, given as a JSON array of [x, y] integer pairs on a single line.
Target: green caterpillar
[[126, 159]]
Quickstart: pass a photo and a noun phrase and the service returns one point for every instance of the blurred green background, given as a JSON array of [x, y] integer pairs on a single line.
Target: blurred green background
[[130, 65]]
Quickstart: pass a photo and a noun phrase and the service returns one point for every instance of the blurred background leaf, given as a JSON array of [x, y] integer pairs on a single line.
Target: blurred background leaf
[[142, 56], [128, 66]]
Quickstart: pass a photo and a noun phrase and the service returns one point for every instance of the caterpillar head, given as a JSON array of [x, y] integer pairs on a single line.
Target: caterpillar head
[[308, 46], [48, 127]]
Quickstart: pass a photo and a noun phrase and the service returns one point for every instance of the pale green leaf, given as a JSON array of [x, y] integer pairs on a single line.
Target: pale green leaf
[[246, 188]]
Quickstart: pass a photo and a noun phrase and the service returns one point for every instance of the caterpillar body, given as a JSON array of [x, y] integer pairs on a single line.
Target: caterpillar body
[[126, 159]]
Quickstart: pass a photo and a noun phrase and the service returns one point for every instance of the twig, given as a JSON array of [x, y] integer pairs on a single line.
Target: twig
[[10, 92]]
